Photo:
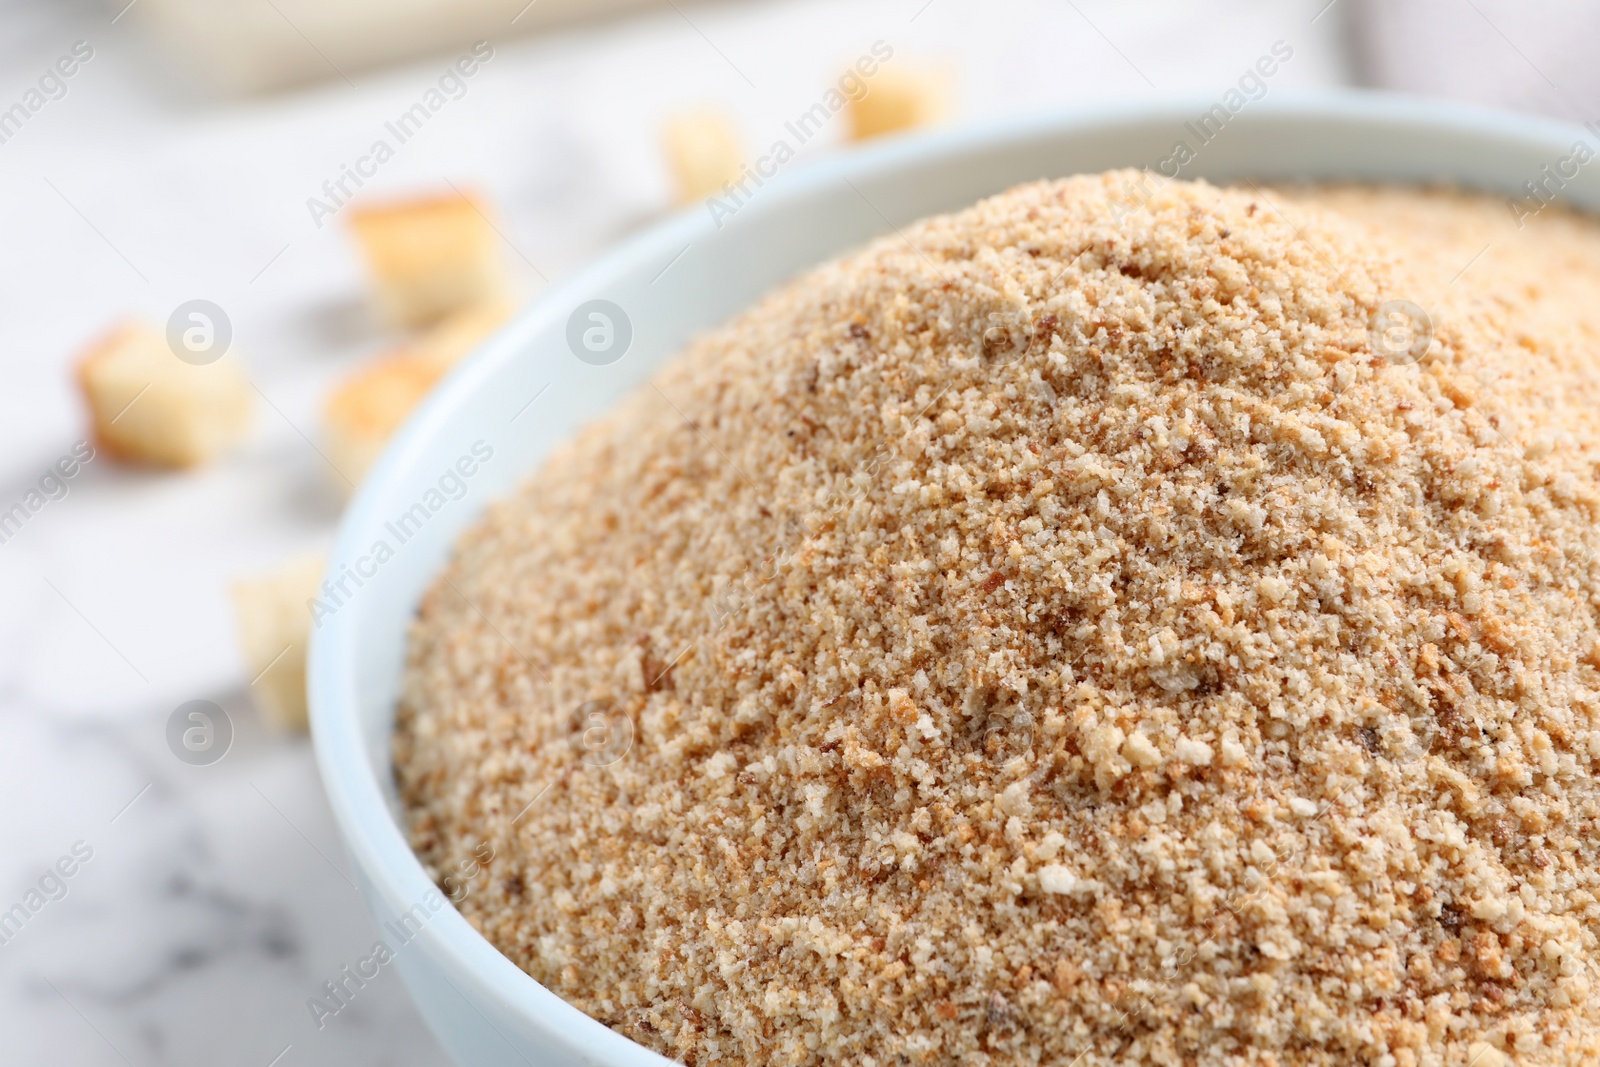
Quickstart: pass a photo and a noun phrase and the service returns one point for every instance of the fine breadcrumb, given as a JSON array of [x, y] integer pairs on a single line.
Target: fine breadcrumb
[[1062, 634]]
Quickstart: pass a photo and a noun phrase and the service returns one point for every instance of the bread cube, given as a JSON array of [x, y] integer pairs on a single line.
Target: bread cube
[[703, 153], [429, 257], [273, 616], [149, 406], [899, 98], [449, 340], [365, 411]]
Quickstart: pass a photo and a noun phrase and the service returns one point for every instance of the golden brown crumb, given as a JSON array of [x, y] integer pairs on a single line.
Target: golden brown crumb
[[1050, 637]]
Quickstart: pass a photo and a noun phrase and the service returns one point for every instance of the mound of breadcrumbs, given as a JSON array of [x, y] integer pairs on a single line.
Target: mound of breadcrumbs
[[1064, 633]]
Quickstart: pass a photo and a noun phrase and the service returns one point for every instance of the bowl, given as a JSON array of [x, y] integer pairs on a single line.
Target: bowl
[[589, 339]]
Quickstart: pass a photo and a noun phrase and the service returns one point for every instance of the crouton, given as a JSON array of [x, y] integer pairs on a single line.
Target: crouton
[[429, 257], [364, 411], [273, 616], [703, 153], [899, 98], [149, 406]]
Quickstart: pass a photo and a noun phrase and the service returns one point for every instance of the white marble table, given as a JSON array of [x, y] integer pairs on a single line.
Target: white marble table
[[216, 899]]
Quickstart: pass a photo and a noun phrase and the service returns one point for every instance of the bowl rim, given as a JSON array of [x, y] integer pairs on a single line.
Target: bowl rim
[[376, 844]]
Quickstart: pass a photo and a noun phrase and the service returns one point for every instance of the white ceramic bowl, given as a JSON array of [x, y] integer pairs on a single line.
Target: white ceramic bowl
[[681, 276]]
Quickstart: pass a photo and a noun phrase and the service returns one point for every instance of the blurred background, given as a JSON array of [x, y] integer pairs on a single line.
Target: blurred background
[[204, 178]]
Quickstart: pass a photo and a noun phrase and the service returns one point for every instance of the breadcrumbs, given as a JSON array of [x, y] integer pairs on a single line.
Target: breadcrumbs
[[1064, 633]]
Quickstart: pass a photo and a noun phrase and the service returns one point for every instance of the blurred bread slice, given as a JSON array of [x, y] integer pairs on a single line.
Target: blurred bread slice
[[429, 257], [149, 406], [368, 407], [703, 153], [900, 97], [273, 616]]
